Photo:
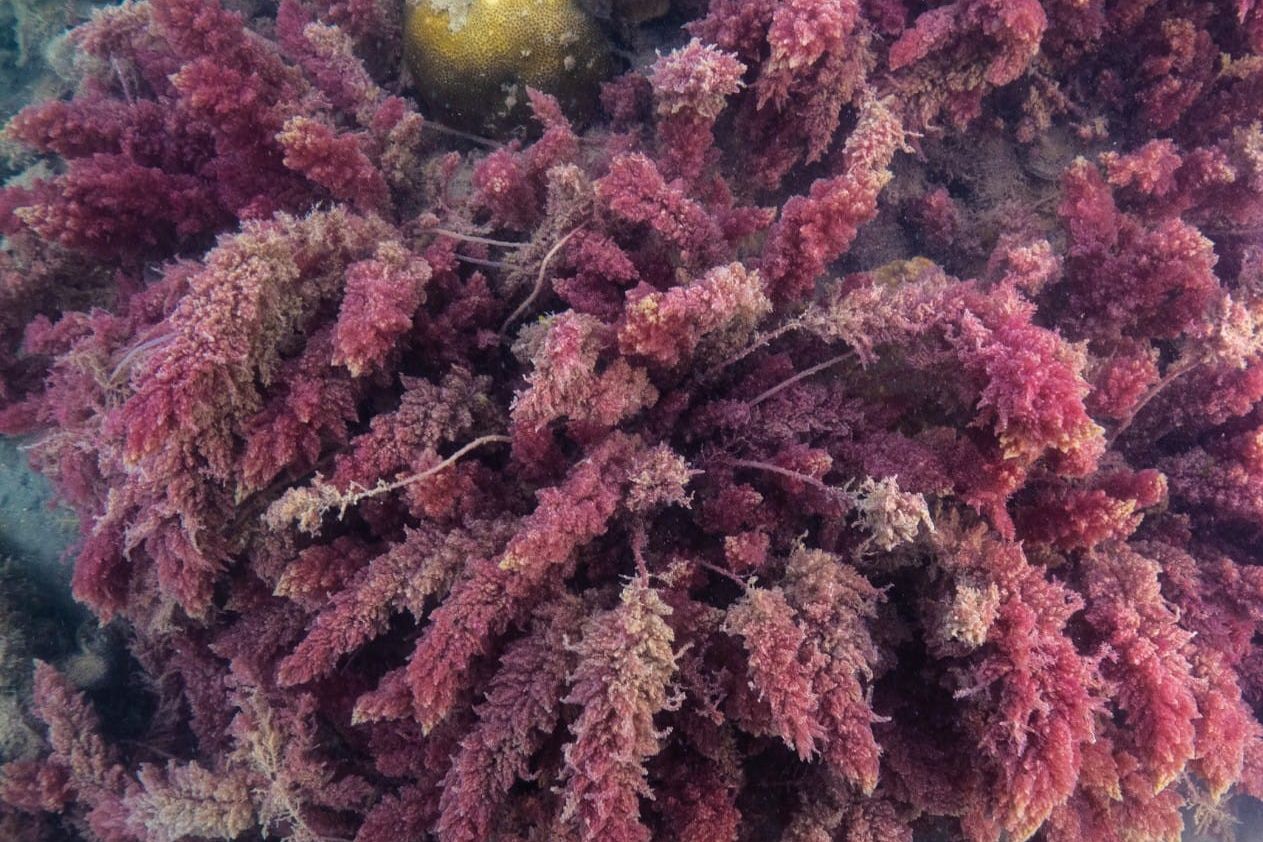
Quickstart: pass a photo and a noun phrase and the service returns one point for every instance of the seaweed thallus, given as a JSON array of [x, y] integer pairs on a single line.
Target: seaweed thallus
[[473, 59], [854, 434], [27, 631], [37, 623]]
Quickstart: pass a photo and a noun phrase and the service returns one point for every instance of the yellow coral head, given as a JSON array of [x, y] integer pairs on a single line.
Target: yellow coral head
[[472, 60]]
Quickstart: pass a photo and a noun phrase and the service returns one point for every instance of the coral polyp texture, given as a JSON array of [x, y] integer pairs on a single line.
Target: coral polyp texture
[[854, 433], [473, 60]]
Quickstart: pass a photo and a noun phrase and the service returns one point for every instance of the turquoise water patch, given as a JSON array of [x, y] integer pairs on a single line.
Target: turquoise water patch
[[32, 529]]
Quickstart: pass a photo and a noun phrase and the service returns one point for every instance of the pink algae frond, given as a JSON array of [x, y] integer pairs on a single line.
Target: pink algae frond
[[852, 433]]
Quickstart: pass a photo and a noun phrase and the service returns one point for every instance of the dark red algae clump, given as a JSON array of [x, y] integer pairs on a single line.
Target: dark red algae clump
[[854, 434]]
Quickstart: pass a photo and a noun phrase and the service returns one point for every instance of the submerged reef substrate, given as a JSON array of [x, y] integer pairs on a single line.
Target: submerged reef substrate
[[852, 432]]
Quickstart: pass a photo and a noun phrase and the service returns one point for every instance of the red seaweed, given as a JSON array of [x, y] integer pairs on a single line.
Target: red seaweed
[[642, 481]]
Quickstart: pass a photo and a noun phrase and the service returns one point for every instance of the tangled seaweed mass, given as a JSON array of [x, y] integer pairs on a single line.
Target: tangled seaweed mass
[[855, 433]]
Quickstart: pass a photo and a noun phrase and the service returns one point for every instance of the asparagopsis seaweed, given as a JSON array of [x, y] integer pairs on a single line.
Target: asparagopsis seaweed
[[855, 433]]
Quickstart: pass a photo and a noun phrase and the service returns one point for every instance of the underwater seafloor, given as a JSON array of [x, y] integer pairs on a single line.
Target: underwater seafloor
[[631, 420]]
